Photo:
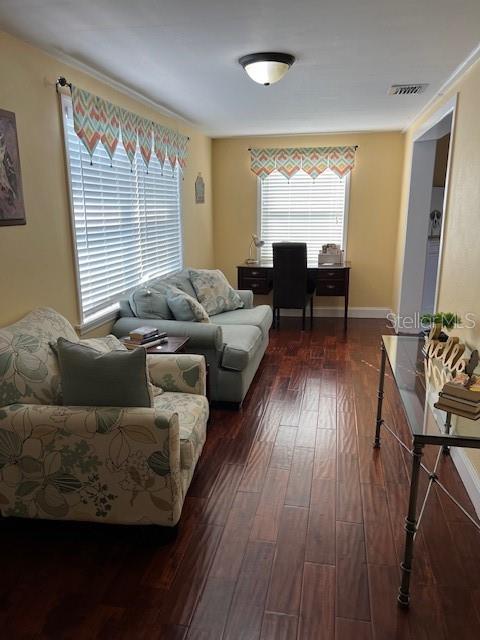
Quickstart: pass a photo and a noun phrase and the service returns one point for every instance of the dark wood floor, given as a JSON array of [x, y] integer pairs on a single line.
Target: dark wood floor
[[293, 526]]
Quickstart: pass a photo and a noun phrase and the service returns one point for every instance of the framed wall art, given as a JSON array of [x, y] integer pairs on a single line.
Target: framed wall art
[[12, 209], [199, 190]]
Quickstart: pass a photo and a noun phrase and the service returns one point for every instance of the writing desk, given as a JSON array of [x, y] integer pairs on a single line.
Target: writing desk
[[330, 279]]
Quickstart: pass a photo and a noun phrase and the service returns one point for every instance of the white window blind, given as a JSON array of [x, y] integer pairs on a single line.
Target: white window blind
[[127, 225], [302, 210]]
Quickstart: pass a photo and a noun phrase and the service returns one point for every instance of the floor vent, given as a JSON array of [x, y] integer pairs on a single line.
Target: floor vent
[[406, 89]]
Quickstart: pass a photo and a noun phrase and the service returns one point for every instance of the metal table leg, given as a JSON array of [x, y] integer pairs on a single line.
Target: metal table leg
[[410, 528], [380, 397], [448, 424]]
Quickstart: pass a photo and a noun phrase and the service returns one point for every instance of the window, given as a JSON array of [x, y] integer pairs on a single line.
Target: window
[[303, 210], [127, 226]]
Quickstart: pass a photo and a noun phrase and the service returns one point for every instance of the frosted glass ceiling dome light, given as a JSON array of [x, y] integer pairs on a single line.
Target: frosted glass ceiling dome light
[[266, 68]]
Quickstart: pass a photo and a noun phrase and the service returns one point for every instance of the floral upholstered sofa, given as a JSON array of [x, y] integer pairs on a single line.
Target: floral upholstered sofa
[[104, 464]]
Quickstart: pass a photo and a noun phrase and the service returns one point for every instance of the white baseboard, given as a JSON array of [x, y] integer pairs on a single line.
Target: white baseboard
[[337, 312], [469, 476]]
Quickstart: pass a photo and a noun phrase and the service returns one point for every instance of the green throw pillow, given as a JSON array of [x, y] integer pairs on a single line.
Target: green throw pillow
[[186, 308], [94, 379]]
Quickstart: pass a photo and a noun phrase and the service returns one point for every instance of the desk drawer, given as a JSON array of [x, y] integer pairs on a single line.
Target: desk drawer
[[257, 285], [253, 273], [330, 288], [331, 274]]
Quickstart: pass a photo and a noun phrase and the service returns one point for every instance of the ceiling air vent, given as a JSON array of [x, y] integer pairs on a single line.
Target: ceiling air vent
[[407, 89]]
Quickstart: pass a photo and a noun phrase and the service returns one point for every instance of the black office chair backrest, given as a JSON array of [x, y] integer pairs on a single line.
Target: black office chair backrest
[[290, 275]]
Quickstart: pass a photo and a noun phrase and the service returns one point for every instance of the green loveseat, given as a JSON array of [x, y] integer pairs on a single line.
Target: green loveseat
[[233, 343]]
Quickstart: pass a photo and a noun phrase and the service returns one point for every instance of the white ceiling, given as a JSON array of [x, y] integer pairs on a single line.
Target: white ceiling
[[183, 54]]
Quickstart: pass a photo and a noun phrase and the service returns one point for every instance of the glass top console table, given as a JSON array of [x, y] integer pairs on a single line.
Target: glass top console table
[[428, 426]]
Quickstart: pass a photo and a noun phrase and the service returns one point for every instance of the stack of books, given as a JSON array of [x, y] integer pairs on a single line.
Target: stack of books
[[460, 400], [144, 337]]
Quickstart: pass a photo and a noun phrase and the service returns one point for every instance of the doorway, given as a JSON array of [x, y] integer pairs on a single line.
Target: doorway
[[435, 221], [426, 219]]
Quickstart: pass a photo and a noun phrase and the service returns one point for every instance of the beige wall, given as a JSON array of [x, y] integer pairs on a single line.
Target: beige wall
[[36, 260], [461, 254], [459, 289], [372, 217]]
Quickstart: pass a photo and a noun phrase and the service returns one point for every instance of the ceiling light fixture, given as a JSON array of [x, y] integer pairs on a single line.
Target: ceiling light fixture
[[266, 68]]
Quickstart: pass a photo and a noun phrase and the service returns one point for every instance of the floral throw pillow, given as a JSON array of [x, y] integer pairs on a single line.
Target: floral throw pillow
[[185, 308], [214, 292]]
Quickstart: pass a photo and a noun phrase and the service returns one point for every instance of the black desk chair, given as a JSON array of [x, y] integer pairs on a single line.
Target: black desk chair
[[291, 286]]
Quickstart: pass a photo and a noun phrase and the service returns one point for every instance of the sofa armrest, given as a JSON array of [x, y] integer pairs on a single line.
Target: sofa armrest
[[186, 373], [247, 298], [107, 464], [202, 335]]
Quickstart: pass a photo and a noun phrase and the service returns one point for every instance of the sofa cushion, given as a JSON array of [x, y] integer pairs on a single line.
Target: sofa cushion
[[214, 291], [181, 280], [192, 413], [29, 370], [124, 309], [260, 317], [185, 307], [149, 303], [241, 344]]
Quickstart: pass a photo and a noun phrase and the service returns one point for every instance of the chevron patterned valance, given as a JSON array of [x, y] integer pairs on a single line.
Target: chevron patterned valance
[[312, 160], [97, 120]]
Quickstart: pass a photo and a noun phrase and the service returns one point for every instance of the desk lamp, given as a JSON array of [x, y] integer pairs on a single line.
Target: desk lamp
[[257, 243]]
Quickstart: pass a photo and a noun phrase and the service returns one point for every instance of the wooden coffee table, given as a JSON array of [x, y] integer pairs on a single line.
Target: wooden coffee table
[[172, 345]]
